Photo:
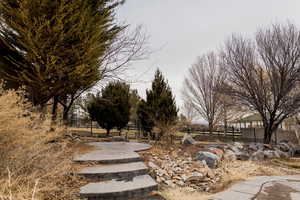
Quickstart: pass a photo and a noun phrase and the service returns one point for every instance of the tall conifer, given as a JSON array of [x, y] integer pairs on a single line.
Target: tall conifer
[[160, 105]]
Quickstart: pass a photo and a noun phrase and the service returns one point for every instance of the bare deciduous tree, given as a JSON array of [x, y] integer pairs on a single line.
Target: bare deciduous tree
[[264, 74], [201, 88], [189, 111]]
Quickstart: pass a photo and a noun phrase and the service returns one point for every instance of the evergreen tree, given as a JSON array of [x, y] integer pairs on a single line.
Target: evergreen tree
[[134, 103], [144, 116], [159, 107], [54, 48], [111, 109]]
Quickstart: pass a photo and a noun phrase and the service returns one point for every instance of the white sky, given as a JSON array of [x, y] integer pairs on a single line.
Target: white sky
[[181, 30]]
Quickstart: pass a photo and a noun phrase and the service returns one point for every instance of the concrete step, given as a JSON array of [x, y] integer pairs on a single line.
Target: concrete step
[[134, 188], [108, 157], [121, 146], [115, 171]]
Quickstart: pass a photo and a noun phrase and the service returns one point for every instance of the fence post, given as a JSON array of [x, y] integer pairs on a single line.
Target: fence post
[[233, 139], [91, 127], [254, 135], [276, 137]]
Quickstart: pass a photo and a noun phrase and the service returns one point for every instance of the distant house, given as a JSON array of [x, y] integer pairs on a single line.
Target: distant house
[[251, 127], [255, 121]]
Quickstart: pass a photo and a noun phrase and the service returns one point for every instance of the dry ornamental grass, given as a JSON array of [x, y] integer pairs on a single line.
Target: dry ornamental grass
[[35, 162]]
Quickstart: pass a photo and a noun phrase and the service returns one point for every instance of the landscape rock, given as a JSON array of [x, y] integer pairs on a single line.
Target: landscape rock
[[188, 139], [211, 159], [283, 147], [242, 155], [235, 149], [269, 154], [238, 145], [194, 177], [229, 155], [287, 147], [152, 165], [258, 155], [255, 146], [217, 151]]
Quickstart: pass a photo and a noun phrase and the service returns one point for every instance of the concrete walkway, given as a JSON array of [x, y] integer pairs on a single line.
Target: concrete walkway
[[263, 188], [123, 176]]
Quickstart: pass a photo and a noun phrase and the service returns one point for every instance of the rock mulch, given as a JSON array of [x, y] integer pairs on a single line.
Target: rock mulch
[[194, 170], [181, 171], [119, 181]]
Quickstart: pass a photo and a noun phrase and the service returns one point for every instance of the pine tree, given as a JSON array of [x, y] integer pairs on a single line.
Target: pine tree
[[111, 109], [134, 103], [53, 48], [159, 107]]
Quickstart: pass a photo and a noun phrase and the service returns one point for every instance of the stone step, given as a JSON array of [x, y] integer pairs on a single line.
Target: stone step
[[115, 171], [108, 157], [136, 187], [121, 146]]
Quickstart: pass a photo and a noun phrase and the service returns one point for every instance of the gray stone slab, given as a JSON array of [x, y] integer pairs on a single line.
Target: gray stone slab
[[108, 157], [115, 171], [245, 188], [121, 146], [115, 189], [232, 195], [248, 189]]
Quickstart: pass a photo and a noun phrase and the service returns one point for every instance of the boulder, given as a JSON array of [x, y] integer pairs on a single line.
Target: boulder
[[238, 145], [255, 146], [269, 154], [238, 150], [293, 148], [229, 155], [283, 147], [242, 155], [211, 159], [217, 151], [188, 139], [281, 153], [234, 148], [287, 147], [258, 155]]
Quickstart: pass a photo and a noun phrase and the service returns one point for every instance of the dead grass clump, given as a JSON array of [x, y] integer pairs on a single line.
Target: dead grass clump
[[182, 194], [35, 162]]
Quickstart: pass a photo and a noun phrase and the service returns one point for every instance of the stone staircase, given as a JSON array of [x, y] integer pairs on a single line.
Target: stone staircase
[[121, 176]]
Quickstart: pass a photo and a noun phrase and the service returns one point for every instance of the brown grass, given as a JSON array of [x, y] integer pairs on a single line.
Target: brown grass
[[182, 194], [35, 162]]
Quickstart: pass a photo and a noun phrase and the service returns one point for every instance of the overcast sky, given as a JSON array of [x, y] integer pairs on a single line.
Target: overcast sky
[[181, 30]]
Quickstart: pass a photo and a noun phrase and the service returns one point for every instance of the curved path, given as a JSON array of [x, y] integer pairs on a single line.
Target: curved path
[[123, 176], [263, 188]]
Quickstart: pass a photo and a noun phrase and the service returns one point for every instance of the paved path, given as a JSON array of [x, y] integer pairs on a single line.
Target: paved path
[[263, 188], [123, 176]]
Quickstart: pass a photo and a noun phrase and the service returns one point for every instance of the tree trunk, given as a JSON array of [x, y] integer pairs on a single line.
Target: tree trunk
[[210, 128], [54, 109], [107, 131], [66, 115], [269, 129]]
